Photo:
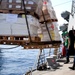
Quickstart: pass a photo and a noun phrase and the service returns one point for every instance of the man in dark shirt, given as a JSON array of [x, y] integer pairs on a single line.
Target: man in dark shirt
[[73, 46]]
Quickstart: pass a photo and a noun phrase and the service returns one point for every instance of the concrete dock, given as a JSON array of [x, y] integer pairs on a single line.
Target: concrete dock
[[62, 70]]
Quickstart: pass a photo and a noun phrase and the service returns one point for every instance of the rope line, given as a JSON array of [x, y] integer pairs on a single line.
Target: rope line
[[10, 47], [62, 3]]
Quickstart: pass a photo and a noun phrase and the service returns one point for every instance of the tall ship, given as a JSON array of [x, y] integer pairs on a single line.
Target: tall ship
[[31, 24]]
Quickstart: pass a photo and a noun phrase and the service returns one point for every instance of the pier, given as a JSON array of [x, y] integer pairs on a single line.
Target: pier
[[63, 69]]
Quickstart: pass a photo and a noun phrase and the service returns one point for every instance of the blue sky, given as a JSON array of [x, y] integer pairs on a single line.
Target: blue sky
[[61, 6]]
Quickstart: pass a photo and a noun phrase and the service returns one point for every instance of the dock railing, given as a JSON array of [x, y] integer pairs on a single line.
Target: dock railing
[[41, 62]]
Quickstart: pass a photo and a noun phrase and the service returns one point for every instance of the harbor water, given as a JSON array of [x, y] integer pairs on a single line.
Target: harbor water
[[17, 61]]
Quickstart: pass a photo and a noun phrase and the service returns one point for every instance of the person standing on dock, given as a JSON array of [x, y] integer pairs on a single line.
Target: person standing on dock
[[73, 67], [67, 42]]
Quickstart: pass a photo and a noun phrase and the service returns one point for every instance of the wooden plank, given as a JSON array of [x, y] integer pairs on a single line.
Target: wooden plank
[[29, 46], [33, 43], [48, 20], [40, 46]]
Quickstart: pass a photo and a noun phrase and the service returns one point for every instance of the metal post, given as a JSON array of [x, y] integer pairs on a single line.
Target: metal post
[[44, 55], [39, 59], [31, 71], [49, 51], [26, 20]]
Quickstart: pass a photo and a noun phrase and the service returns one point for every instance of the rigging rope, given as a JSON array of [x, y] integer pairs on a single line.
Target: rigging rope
[[46, 26], [25, 12], [62, 3], [10, 47]]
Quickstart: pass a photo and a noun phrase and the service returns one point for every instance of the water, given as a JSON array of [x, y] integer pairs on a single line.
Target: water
[[17, 61]]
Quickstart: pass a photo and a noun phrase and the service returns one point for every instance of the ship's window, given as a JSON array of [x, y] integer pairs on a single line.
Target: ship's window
[[30, 2], [18, 1], [10, 6], [18, 6], [10, 1], [25, 2], [28, 7]]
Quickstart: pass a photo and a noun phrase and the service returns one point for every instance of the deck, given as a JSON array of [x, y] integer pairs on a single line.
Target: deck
[[62, 70]]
